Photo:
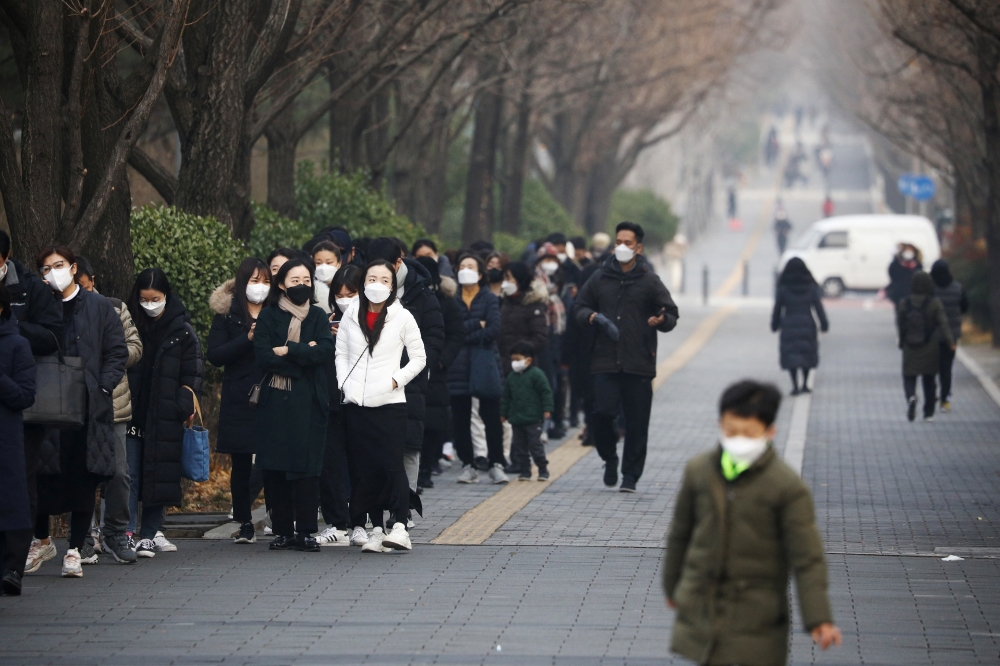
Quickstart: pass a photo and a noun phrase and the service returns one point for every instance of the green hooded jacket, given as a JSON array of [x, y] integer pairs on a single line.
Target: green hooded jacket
[[730, 550]]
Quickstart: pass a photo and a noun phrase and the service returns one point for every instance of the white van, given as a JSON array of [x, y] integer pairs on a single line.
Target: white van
[[854, 251]]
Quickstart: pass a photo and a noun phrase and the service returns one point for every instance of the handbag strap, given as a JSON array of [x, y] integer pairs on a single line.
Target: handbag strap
[[59, 351], [356, 364], [197, 409]]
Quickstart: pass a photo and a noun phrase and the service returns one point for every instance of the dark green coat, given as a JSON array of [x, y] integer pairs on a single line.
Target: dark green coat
[[291, 425], [923, 360], [526, 397], [730, 550]]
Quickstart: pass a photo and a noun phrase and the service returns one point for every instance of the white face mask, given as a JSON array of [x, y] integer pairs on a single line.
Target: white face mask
[[377, 292], [59, 279], [571, 250], [624, 254], [344, 303], [549, 267], [256, 293], [908, 255], [561, 257], [401, 273], [468, 276], [3, 271], [508, 288], [154, 309], [519, 366], [325, 272], [745, 450]]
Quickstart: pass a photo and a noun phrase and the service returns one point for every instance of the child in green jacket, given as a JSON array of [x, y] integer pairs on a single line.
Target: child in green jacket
[[527, 403], [743, 522]]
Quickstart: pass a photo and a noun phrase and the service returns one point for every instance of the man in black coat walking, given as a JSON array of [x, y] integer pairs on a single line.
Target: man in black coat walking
[[627, 303], [422, 303]]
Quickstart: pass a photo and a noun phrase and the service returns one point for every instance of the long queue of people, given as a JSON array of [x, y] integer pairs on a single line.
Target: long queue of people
[[350, 368]]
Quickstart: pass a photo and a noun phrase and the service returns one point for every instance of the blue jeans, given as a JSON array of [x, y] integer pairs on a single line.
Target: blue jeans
[[152, 516]]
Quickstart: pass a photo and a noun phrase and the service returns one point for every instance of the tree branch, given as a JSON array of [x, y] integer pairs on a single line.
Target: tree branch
[[164, 182], [73, 121], [11, 188]]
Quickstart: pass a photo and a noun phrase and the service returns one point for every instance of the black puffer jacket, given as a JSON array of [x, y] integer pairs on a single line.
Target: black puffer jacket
[[522, 319], [421, 302], [485, 307], [37, 309], [176, 363], [949, 291], [229, 348], [628, 300], [794, 304], [438, 416]]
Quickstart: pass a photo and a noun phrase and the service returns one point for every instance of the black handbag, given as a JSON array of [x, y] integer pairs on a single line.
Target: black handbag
[[61, 393], [484, 375]]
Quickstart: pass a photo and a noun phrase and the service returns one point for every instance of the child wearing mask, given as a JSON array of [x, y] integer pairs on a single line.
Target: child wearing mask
[[327, 258], [743, 522], [527, 403]]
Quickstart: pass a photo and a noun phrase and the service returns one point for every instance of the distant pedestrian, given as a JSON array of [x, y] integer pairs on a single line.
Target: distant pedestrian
[[628, 304], [742, 524], [828, 206], [923, 330], [952, 296], [327, 259], [527, 403], [797, 300], [782, 226], [901, 270]]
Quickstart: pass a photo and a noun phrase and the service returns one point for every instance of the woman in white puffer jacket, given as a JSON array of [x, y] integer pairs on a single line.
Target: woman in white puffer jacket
[[373, 335]]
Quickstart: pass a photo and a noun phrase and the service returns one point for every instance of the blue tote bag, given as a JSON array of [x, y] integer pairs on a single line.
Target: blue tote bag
[[194, 449]]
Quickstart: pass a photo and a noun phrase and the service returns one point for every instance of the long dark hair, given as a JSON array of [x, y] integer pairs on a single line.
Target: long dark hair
[[151, 278], [248, 268], [274, 295], [349, 276], [521, 274], [372, 334], [796, 273]]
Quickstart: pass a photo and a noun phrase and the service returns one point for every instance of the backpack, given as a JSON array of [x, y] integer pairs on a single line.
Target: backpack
[[917, 328]]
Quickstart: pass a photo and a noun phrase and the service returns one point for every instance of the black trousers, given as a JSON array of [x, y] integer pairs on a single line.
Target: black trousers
[[433, 449], [376, 437], [291, 500], [245, 484], [333, 480], [946, 359], [16, 543], [461, 416], [930, 389], [633, 394]]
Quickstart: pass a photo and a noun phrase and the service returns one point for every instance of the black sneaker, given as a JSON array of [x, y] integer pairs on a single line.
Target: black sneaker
[[911, 409], [306, 544], [543, 473], [556, 432], [611, 473], [12, 583], [87, 553], [247, 534], [588, 437], [118, 546], [513, 469], [524, 476], [628, 485], [424, 479], [283, 543]]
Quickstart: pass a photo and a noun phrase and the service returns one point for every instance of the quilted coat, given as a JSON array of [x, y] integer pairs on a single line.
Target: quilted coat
[[122, 397], [17, 393], [522, 319], [485, 307]]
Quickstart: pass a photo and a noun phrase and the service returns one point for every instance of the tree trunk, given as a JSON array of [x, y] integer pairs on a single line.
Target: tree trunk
[[516, 166], [281, 143], [991, 131], [478, 216], [600, 188]]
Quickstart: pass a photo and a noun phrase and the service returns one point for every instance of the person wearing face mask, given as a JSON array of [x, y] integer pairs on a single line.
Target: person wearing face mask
[[344, 290], [80, 459], [527, 402], [523, 311], [566, 254], [373, 335], [292, 343], [495, 263], [741, 508], [237, 304], [549, 271], [906, 262], [326, 257], [625, 304], [425, 247], [164, 384]]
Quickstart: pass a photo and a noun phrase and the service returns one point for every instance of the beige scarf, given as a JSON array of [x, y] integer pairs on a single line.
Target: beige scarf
[[298, 312]]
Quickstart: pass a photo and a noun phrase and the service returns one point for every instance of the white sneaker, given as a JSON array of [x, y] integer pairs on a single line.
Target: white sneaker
[[162, 543], [331, 536], [497, 475], [39, 553], [468, 475], [374, 544], [410, 524], [398, 539], [448, 451], [268, 531], [359, 537], [71, 564]]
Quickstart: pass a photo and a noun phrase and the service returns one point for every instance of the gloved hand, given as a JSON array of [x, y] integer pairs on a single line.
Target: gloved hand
[[607, 326]]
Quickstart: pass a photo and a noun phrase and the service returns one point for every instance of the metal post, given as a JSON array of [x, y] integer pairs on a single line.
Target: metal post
[[684, 275], [704, 284], [746, 278]]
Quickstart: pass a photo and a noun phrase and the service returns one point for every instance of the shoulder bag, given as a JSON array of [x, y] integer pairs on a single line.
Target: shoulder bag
[[61, 395], [195, 453]]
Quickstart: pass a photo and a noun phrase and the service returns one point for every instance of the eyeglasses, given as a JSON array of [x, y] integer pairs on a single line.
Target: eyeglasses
[[59, 265]]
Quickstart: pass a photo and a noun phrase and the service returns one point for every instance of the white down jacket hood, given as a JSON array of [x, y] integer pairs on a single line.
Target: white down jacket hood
[[366, 379]]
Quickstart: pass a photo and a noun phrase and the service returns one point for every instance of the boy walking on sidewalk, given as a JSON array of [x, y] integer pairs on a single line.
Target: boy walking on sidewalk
[[527, 403], [743, 522]]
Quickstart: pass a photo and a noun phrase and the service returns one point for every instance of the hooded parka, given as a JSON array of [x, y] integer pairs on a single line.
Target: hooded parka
[[522, 319], [797, 297], [171, 346], [420, 301], [730, 550], [923, 359]]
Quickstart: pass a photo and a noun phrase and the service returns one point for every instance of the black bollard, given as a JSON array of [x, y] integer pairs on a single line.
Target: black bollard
[[746, 278], [704, 284]]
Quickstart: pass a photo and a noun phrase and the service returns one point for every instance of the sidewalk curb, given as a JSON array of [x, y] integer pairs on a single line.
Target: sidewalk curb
[[977, 371]]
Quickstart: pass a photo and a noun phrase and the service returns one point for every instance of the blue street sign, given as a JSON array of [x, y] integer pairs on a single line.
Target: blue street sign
[[918, 186]]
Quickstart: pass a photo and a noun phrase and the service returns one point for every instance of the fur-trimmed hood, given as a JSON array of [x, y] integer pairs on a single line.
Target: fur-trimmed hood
[[539, 293], [221, 300], [449, 286]]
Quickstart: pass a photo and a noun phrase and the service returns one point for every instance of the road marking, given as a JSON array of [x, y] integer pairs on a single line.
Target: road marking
[[977, 371], [795, 443], [691, 346]]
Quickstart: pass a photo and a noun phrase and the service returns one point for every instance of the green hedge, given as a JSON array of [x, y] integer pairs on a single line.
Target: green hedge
[[197, 254], [968, 261], [272, 231], [648, 210], [328, 199]]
